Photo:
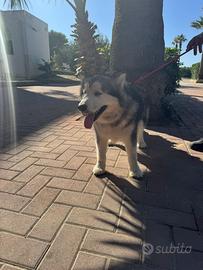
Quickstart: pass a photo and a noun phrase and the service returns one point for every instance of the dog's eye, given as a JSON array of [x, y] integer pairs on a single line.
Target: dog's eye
[[97, 94]]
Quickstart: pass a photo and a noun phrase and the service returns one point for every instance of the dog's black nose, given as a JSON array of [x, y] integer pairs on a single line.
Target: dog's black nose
[[82, 108]]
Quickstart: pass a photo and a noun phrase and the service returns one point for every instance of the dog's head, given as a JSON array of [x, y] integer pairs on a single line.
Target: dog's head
[[100, 94]]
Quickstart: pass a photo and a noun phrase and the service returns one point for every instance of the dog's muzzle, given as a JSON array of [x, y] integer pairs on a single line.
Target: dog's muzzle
[[90, 118], [82, 108]]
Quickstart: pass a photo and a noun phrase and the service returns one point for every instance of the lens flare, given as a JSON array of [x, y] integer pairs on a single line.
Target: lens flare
[[7, 105]]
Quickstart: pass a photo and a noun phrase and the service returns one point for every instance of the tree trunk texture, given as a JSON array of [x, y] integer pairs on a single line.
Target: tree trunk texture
[[200, 77], [138, 45]]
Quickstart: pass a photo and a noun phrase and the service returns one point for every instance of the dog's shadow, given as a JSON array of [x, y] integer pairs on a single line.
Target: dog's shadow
[[170, 167]]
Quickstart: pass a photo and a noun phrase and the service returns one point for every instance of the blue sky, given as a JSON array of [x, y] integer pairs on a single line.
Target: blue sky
[[178, 15]]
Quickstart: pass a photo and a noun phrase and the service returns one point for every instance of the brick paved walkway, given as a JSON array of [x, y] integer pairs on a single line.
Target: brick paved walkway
[[55, 215]]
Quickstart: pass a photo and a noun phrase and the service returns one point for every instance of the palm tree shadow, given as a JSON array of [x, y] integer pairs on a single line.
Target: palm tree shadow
[[173, 181]]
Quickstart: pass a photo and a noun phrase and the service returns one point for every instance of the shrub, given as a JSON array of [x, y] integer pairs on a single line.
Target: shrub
[[185, 72], [195, 71], [45, 67], [172, 71]]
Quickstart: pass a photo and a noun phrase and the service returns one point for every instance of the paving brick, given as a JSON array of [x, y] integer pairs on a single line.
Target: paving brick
[[51, 163], [55, 143], [20, 250], [60, 149], [122, 162], [72, 131], [159, 236], [93, 161], [17, 149], [75, 163], [32, 187], [41, 202], [86, 261], [156, 199], [67, 155], [29, 173], [15, 222], [64, 183], [35, 143], [111, 200], [118, 171], [10, 186], [194, 260], [72, 142], [189, 238], [131, 219], [7, 174], [20, 156], [47, 226], [170, 217], [79, 134], [40, 149], [50, 138], [78, 199], [42, 134], [84, 172], [62, 253], [90, 142], [86, 154], [58, 172], [12, 202], [5, 156], [9, 267], [121, 246], [24, 164], [112, 154], [198, 209], [59, 132], [96, 185], [120, 265], [82, 148], [92, 218], [44, 155], [33, 138], [6, 164]]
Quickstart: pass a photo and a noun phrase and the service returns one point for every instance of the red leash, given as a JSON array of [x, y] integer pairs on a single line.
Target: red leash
[[174, 59]]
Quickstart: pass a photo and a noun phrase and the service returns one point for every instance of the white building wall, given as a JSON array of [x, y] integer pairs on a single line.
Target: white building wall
[[30, 41], [12, 29]]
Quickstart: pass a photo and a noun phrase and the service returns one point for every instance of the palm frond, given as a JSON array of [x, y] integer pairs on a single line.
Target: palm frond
[[71, 4], [198, 24], [17, 4], [90, 61]]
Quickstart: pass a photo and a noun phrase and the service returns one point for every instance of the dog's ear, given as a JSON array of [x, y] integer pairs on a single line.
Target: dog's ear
[[120, 81]]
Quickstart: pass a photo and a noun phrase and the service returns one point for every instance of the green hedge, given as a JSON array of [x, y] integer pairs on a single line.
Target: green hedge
[[172, 71], [195, 71], [185, 72]]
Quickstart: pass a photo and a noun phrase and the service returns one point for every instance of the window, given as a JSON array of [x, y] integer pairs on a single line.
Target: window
[[9, 47]]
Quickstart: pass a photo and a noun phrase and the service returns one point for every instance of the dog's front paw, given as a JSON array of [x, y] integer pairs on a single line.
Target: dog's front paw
[[98, 171], [136, 174]]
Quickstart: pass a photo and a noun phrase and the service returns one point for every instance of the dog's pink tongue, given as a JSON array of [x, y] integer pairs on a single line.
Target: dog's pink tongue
[[89, 120]]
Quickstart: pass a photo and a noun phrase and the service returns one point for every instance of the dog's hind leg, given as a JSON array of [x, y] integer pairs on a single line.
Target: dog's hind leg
[[101, 146], [140, 135], [131, 149]]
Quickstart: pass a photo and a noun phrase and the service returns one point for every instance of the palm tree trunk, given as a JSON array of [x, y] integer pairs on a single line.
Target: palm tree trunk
[[137, 44], [138, 41], [200, 77]]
